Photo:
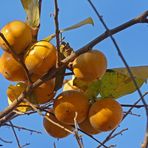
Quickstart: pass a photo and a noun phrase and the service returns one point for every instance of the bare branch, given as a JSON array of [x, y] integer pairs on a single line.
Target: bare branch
[[78, 138], [57, 32], [131, 105], [23, 128], [119, 133], [145, 142], [25, 145], [131, 113], [93, 138], [16, 137], [5, 141]]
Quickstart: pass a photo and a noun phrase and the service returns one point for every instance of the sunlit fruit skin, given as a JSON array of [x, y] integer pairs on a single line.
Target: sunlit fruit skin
[[86, 127], [105, 114], [54, 130], [18, 34], [69, 104], [40, 57], [90, 65], [11, 69]]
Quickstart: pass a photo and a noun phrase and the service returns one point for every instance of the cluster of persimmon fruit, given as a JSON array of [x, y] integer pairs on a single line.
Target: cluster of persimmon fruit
[[72, 104]]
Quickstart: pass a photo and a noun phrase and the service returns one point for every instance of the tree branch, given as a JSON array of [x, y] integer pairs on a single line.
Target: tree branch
[[16, 137], [23, 128], [57, 32]]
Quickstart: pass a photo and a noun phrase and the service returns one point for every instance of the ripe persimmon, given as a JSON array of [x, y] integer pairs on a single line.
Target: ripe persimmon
[[40, 57], [18, 34], [105, 114], [54, 130], [69, 105], [11, 69], [90, 65], [44, 93], [88, 128], [40, 95], [13, 93]]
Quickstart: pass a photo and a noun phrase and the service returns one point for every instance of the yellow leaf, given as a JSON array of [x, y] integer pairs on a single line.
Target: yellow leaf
[[138, 71], [115, 84], [32, 10], [88, 20]]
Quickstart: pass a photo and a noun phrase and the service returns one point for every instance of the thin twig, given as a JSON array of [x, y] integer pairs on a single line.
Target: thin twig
[[145, 142], [16, 137], [131, 105], [25, 145], [54, 145], [78, 138], [131, 113], [5, 141], [23, 128], [57, 32], [146, 93], [119, 133], [60, 74], [93, 138]]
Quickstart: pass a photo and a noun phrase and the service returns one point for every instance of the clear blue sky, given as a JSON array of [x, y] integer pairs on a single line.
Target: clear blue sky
[[133, 43]]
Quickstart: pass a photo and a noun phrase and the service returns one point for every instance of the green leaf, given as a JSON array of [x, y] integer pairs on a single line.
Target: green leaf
[[91, 89], [32, 10], [88, 20], [116, 84], [138, 71]]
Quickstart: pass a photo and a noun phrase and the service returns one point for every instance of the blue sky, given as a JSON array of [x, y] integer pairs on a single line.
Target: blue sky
[[132, 41]]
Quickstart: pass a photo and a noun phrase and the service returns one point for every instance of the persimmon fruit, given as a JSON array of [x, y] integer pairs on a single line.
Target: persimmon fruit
[[13, 92], [11, 69], [90, 65], [44, 93], [18, 34], [54, 130], [70, 105], [105, 114], [40, 95], [40, 57]]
